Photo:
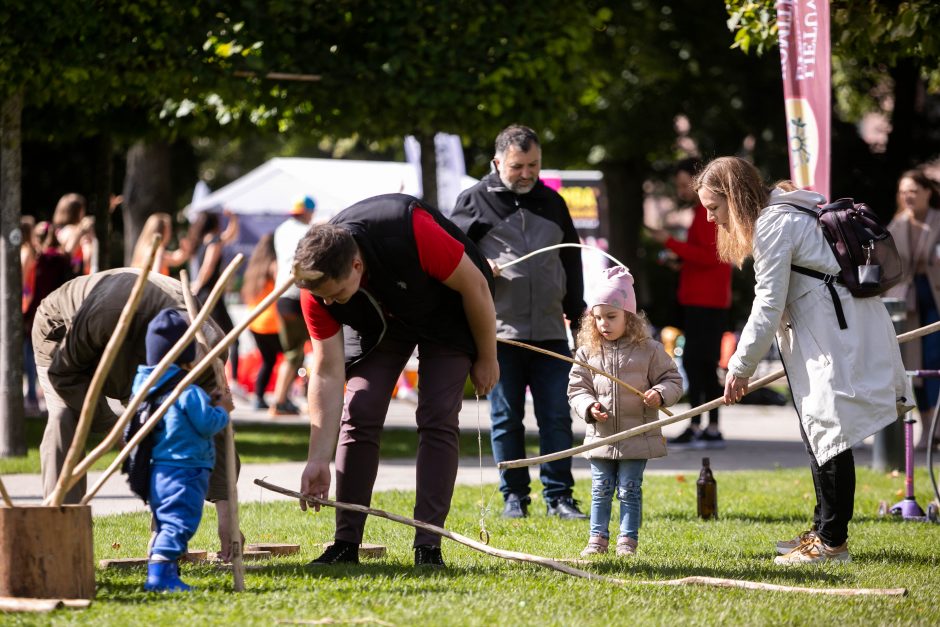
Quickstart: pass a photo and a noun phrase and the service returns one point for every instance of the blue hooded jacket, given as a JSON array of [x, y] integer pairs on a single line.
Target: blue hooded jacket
[[184, 437]]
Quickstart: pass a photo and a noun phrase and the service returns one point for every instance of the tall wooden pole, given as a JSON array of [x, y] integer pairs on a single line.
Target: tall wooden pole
[[12, 439], [231, 472]]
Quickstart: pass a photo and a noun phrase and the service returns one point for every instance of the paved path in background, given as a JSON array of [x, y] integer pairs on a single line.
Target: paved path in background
[[758, 437]]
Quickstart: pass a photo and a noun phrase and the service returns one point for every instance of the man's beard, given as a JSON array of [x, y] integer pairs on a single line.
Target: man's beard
[[520, 187]]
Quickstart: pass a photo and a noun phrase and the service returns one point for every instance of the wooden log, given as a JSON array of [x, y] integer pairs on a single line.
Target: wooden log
[[47, 552], [556, 565], [248, 556], [188, 380], [123, 563], [90, 407], [5, 495], [619, 382], [274, 549], [231, 472], [14, 604], [117, 431]]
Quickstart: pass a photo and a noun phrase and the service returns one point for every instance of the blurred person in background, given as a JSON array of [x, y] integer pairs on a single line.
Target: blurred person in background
[[704, 294], [257, 284], [76, 233], [293, 328], [916, 232], [160, 223], [207, 240]]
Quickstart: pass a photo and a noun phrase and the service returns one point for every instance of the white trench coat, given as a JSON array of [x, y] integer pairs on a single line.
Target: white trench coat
[[845, 382]]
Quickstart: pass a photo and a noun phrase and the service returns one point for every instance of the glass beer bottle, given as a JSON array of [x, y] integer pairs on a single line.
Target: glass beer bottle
[[707, 491]]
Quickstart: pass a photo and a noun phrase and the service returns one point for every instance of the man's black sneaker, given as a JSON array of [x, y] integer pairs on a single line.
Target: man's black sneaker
[[427, 555], [339, 552], [686, 438], [516, 506], [564, 507]]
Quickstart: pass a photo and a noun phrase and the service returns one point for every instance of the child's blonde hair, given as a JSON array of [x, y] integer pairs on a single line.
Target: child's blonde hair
[[589, 337]]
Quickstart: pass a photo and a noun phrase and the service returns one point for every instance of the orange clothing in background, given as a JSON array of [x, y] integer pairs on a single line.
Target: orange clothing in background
[[266, 323]]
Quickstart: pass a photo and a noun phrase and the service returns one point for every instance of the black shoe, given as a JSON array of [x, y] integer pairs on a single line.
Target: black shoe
[[709, 439], [565, 508], [516, 506], [339, 552], [426, 555], [687, 437]]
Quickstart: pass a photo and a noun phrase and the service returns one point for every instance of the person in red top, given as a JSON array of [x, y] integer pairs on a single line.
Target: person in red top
[[382, 277], [704, 294]]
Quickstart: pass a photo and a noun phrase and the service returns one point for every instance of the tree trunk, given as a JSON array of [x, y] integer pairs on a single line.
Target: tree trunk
[[147, 189], [12, 441], [624, 181], [101, 200], [428, 167]]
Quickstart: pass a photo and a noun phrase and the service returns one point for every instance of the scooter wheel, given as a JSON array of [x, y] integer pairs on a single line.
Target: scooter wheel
[[933, 512], [882, 508]]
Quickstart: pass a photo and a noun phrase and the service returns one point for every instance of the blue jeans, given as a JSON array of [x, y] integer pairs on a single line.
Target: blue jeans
[[547, 377], [626, 475]]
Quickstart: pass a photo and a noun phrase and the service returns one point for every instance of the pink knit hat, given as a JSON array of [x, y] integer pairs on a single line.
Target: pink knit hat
[[615, 289]]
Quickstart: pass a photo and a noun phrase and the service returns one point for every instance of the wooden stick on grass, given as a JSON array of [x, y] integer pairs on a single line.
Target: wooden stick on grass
[[701, 409], [577, 572], [115, 343], [231, 479], [188, 380], [624, 384], [117, 431]]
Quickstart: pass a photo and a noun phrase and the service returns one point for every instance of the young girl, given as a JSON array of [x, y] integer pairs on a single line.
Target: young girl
[[615, 340]]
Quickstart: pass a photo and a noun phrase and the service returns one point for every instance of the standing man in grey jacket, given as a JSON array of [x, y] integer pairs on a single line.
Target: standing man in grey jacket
[[508, 214]]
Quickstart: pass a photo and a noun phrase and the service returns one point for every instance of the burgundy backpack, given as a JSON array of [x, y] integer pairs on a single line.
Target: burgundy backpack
[[869, 263]]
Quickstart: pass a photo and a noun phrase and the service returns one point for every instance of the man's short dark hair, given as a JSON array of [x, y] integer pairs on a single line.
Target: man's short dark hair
[[690, 166], [329, 248], [522, 137]]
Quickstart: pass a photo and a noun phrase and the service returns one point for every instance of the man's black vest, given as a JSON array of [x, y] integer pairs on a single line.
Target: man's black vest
[[399, 298]]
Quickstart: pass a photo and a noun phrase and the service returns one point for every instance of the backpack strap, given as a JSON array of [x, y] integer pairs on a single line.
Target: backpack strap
[[828, 279]]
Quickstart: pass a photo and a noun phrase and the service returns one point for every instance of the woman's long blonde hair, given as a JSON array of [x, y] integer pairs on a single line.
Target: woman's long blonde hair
[[589, 337], [738, 182], [156, 223]]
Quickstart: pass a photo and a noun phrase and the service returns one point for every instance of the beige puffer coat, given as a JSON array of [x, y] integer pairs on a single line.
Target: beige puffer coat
[[643, 365]]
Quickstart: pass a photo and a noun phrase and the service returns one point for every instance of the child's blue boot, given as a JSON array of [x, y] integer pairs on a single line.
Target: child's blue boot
[[163, 576]]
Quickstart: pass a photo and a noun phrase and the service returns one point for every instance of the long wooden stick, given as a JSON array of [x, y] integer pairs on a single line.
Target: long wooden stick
[[111, 349], [6, 495], [231, 479], [624, 384], [188, 380], [701, 409], [117, 431], [569, 570]]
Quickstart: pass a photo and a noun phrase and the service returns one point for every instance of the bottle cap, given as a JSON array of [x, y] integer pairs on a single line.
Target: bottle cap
[[705, 461]]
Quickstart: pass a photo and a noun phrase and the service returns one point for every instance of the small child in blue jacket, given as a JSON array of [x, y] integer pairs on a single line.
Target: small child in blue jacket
[[183, 454]]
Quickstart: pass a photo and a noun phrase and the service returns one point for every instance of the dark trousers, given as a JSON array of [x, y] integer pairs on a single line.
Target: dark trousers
[[834, 482], [442, 373], [270, 347], [547, 378], [704, 327]]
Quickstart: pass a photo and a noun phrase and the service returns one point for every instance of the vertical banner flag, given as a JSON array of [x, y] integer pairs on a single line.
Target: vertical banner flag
[[803, 33]]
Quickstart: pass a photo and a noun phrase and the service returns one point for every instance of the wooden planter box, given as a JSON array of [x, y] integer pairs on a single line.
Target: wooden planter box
[[47, 552]]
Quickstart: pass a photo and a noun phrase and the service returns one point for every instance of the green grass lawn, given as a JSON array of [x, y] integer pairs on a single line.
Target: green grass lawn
[[260, 443], [756, 508]]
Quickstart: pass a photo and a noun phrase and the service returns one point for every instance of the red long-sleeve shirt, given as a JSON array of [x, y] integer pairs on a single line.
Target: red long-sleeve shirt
[[704, 280]]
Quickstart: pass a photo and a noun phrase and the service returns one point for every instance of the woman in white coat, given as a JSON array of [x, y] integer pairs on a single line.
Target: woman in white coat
[[845, 383]]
